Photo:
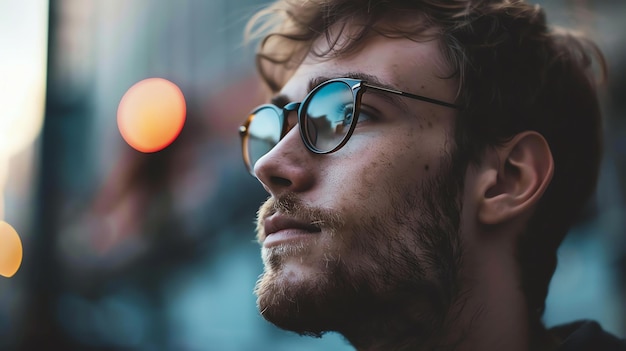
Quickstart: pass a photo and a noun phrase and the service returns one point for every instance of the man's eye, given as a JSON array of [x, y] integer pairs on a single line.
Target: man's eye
[[367, 114], [364, 116], [347, 113]]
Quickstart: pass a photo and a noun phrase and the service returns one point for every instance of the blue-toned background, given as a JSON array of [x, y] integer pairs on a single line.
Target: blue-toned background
[[132, 251]]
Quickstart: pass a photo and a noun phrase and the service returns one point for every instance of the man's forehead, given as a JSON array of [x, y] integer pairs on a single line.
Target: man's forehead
[[351, 36], [395, 63]]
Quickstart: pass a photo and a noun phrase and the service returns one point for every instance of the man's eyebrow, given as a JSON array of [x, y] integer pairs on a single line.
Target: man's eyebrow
[[368, 78], [281, 100], [393, 99]]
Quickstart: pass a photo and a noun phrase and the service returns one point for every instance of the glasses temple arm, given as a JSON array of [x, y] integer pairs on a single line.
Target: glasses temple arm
[[416, 97]]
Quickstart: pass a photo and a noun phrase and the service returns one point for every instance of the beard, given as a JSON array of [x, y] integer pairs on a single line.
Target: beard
[[397, 272]]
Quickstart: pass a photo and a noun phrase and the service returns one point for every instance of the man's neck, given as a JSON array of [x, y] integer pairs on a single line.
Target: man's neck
[[490, 314], [497, 313]]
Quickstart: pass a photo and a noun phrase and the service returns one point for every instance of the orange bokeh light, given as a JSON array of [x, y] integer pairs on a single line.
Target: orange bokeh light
[[10, 250], [151, 114]]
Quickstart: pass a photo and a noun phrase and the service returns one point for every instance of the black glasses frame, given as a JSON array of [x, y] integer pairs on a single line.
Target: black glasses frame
[[357, 86]]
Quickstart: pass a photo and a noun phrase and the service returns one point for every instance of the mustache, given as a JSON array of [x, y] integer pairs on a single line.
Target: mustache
[[290, 205]]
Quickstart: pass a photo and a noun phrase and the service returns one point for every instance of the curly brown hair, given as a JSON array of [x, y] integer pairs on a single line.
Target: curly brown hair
[[515, 73]]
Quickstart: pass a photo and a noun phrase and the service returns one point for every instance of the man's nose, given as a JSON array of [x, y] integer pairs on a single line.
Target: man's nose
[[287, 167]]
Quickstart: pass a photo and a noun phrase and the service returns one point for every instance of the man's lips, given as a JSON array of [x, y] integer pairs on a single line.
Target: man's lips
[[278, 222], [281, 224]]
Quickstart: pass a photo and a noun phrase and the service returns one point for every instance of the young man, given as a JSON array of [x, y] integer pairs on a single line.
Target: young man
[[424, 160]]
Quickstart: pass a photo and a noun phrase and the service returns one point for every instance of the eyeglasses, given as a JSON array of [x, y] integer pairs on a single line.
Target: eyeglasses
[[327, 117]]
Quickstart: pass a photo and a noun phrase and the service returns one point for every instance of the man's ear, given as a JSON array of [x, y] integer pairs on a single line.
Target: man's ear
[[513, 177]]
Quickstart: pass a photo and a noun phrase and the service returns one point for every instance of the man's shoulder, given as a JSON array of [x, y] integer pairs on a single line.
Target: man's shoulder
[[587, 335]]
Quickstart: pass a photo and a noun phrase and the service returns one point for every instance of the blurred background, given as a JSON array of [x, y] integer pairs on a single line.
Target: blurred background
[[131, 251]]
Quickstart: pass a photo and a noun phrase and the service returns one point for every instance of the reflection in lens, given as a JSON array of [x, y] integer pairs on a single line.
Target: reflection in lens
[[263, 134], [329, 113]]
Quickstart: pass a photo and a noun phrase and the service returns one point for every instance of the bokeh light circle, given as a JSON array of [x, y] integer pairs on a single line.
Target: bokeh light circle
[[151, 114], [10, 250]]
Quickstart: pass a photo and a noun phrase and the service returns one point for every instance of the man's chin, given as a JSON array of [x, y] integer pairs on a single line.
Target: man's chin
[[291, 305], [292, 320]]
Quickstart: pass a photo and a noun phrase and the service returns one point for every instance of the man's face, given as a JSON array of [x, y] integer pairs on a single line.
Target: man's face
[[352, 234]]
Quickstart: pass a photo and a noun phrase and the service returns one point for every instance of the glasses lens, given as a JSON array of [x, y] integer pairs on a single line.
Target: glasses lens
[[329, 114], [263, 134]]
